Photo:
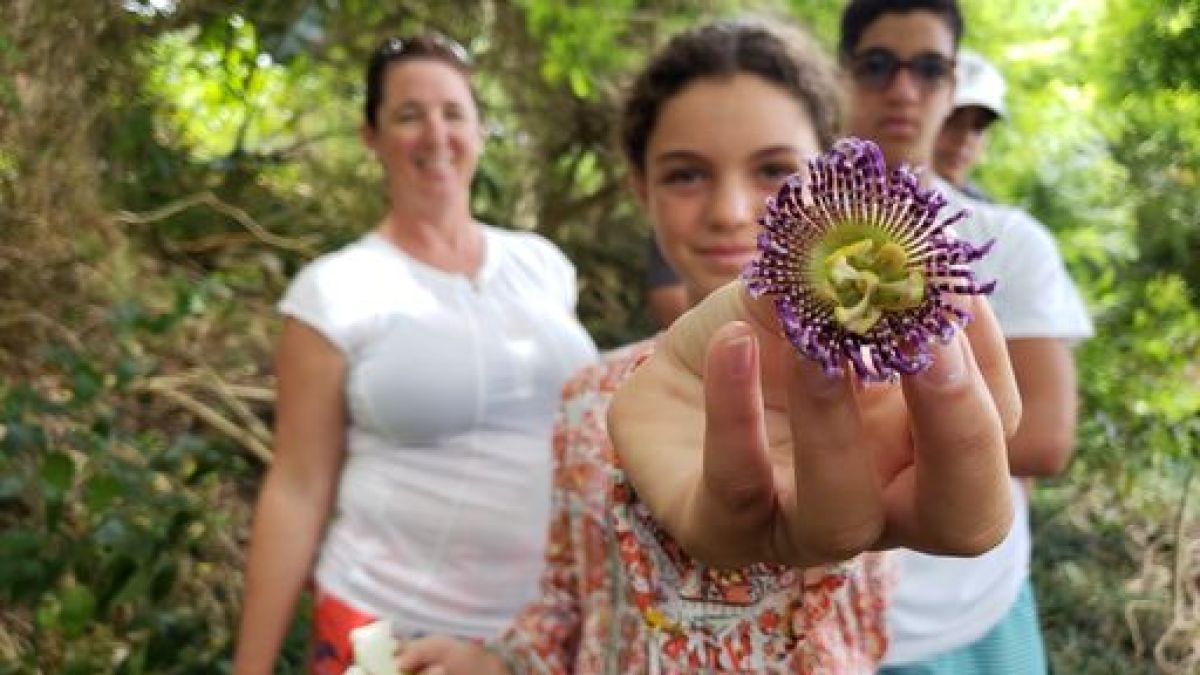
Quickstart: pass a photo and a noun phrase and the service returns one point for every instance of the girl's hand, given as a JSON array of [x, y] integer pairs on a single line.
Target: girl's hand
[[746, 452]]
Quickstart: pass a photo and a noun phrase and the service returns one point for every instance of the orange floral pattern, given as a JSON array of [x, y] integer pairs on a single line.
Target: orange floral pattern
[[620, 596]]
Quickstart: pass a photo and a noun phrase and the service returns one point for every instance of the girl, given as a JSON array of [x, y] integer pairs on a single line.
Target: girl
[[695, 527]]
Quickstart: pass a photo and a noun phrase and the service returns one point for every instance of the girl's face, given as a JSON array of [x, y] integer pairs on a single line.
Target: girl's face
[[428, 136], [719, 148]]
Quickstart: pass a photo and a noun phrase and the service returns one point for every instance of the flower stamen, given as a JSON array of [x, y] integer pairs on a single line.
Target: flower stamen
[[873, 278], [860, 264]]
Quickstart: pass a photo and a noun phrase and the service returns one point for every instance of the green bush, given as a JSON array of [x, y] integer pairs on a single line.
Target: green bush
[[122, 522]]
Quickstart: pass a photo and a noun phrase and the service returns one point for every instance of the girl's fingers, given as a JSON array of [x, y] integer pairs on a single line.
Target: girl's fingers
[[991, 356], [838, 507], [962, 502], [735, 494]]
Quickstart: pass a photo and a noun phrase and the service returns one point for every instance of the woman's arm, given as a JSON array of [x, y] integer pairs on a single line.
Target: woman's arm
[[297, 494]]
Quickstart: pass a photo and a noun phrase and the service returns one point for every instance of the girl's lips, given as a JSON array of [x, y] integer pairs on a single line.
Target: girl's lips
[[731, 257]]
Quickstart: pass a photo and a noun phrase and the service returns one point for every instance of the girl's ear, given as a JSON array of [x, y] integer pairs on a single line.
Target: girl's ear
[[367, 133], [637, 183]]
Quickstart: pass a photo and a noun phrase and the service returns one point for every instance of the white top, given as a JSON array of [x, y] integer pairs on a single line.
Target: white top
[[943, 603], [452, 386]]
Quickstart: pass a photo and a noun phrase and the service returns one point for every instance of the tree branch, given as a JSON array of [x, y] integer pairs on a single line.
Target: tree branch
[[303, 245]]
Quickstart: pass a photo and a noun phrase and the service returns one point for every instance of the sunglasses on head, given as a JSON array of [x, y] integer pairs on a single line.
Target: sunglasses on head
[[425, 44], [877, 69]]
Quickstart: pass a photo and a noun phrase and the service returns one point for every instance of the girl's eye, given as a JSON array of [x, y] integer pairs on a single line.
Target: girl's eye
[[776, 172], [682, 176]]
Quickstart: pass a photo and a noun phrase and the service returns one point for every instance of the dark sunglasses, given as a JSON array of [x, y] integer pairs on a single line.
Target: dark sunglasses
[[877, 69], [425, 44]]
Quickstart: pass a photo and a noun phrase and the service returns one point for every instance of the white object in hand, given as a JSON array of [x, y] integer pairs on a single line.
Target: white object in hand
[[374, 650]]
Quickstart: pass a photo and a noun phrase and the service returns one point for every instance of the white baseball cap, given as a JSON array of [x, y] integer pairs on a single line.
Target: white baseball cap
[[979, 84]]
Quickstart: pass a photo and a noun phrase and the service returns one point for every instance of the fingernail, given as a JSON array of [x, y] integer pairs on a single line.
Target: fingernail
[[741, 356], [949, 364]]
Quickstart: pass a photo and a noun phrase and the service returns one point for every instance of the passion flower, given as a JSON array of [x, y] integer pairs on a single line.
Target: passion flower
[[860, 264]]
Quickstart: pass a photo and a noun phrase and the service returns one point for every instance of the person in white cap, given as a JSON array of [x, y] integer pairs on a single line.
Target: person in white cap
[[978, 103]]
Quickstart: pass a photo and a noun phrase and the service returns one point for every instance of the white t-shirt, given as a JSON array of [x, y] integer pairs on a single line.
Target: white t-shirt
[[452, 386], [943, 603]]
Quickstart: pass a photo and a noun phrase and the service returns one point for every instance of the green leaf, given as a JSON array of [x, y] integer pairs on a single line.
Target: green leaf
[[164, 580], [19, 544], [21, 570], [57, 472], [581, 86], [86, 382], [101, 491], [134, 589], [48, 611], [128, 368], [117, 571], [78, 607]]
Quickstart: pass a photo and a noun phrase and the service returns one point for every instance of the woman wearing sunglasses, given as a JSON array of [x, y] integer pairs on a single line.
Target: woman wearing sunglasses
[[418, 373]]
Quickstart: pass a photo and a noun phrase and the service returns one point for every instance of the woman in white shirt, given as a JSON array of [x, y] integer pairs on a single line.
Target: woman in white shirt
[[418, 373]]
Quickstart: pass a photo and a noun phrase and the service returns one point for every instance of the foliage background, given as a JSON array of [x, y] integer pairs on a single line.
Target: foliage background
[[165, 167]]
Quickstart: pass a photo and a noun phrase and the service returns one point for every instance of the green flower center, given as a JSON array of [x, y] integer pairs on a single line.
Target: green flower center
[[863, 273]]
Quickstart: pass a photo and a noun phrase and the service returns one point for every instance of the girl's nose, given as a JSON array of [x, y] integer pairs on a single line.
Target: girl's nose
[[733, 206]]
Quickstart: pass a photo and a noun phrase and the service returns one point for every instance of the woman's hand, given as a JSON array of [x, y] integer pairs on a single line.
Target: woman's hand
[[746, 452], [441, 655]]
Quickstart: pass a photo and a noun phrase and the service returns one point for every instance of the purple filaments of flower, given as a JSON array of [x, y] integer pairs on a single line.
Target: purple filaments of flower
[[860, 264]]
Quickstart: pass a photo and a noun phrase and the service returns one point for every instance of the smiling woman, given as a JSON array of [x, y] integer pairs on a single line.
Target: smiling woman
[[424, 128], [418, 372]]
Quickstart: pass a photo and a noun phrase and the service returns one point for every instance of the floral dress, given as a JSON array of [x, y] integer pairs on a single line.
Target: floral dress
[[620, 596]]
